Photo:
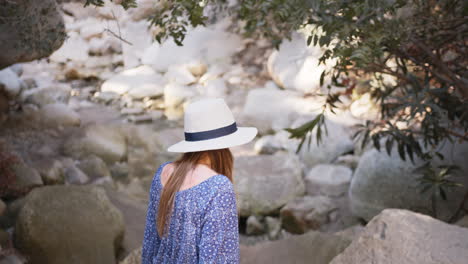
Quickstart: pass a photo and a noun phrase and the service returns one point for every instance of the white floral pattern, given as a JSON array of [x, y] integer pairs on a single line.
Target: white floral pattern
[[203, 228]]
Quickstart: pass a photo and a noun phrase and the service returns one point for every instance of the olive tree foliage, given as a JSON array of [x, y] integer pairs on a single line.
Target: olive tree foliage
[[409, 55]]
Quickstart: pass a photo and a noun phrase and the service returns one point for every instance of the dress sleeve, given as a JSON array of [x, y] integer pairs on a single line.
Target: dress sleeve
[[151, 239], [219, 241]]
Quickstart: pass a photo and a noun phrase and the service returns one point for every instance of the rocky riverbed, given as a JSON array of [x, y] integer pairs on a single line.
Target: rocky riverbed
[[83, 131]]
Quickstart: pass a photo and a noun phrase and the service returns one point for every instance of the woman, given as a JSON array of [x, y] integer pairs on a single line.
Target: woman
[[192, 212]]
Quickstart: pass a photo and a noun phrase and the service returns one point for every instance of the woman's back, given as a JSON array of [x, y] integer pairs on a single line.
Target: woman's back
[[203, 225]]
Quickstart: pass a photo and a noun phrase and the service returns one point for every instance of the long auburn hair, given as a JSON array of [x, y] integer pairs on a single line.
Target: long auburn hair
[[221, 161]]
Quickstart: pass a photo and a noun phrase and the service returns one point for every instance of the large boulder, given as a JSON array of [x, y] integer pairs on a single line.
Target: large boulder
[[334, 144], [138, 83], [69, 224], [296, 65], [59, 114], [56, 93], [336, 141], [271, 109], [328, 179], [308, 212], [133, 258], [29, 30], [139, 39], [404, 237], [106, 141], [201, 44], [309, 248], [266, 183], [382, 181]]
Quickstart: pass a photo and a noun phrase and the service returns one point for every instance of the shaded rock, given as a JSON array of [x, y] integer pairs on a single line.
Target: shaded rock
[[364, 108], [386, 240], [309, 248], [12, 259], [180, 74], [254, 226], [462, 222], [296, 65], [105, 45], [119, 170], [106, 97], [352, 232], [307, 212], [8, 219], [267, 145], [329, 180], [48, 95], [133, 258], [134, 213], [381, 181], [58, 114], [273, 226], [97, 232], [140, 38], [273, 109], [138, 83], [10, 83], [350, 161], [51, 171], [176, 94], [26, 176], [94, 167], [2, 207], [106, 141], [144, 150], [334, 144], [201, 45], [74, 175], [36, 35], [278, 180], [214, 88]]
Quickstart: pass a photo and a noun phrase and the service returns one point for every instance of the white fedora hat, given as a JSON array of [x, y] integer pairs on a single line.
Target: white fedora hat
[[209, 124]]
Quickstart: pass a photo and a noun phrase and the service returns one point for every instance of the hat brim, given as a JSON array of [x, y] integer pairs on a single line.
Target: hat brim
[[242, 136]]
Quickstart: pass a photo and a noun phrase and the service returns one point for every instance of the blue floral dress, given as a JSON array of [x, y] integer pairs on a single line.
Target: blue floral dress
[[203, 227]]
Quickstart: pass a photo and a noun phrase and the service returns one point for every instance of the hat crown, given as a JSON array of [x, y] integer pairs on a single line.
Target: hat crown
[[207, 114]]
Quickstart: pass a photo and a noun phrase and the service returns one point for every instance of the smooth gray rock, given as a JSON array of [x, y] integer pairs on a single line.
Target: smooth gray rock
[[307, 212], [59, 114], [329, 180], [30, 30], [383, 181], [296, 65], [265, 183], [273, 226], [51, 171], [106, 141], [74, 175], [55, 221], [309, 248], [404, 237], [94, 167], [254, 226], [48, 95], [138, 83]]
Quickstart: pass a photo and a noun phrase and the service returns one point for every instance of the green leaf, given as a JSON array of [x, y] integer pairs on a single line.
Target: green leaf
[[442, 193], [322, 76]]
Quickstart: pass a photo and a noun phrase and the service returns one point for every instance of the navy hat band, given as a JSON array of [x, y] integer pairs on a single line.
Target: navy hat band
[[209, 134]]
